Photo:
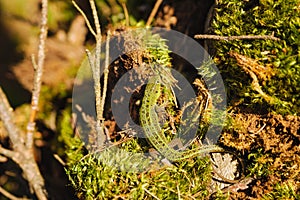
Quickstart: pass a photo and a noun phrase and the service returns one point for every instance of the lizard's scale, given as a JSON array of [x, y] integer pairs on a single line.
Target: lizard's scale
[[150, 123]]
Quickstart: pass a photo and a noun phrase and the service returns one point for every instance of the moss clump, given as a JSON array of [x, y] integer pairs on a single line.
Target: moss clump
[[92, 179], [281, 18]]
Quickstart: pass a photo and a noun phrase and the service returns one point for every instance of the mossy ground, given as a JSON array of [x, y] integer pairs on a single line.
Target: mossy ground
[[264, 133]]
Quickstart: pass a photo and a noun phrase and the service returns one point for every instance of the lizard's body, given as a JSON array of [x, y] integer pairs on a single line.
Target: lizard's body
[[150, 123]]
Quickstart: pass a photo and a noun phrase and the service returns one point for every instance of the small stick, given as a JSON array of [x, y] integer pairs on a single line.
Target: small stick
[[6, 116], [153, 12], [126, 13], [106, 71], [85, 18], [239, 37], [59, 159]]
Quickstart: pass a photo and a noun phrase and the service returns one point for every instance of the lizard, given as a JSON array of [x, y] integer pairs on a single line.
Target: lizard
[[157, 55], [150, 123]]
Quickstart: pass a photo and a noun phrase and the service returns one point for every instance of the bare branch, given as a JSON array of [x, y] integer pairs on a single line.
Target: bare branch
[[85, 18], [94, 60], [96, 19], [59, 159], [97, 74], [153, 12], [22, 152], [106, 71], [22, 155], [38, 72], [239, 37], [155, 197], [90, 60], [6, 116], [34, 62], [96, 64]]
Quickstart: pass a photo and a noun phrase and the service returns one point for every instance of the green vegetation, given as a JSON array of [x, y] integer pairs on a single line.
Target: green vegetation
[[107, 174], [271, 154], [282, 191], [281, 18], [279, 79], [93, 179]]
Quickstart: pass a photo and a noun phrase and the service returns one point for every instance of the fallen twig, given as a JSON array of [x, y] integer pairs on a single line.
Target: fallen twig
[[239, 37]]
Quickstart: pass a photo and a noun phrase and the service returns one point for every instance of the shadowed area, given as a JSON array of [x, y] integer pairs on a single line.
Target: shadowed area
[[9, 55]]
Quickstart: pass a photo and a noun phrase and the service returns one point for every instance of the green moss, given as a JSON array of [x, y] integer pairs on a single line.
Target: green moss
[[260, 163], [279, 17], [282, 191], [94, 180]]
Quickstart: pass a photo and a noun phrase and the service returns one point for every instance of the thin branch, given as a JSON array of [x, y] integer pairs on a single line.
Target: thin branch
[[90, 60], [178, 192], [239, 37], [6, 116], [153, 12], [262, 128], [85, 18], [22, 154], [97, 84], [96, 19], [59, 159], [96, 64], [33, 62], [9, 195], [97, 75], [8, 153], [94, 60], [125, 13], [106, 71], [38, 72]]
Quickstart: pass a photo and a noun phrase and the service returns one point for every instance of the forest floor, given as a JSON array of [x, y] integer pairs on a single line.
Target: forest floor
[[276, 136]]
